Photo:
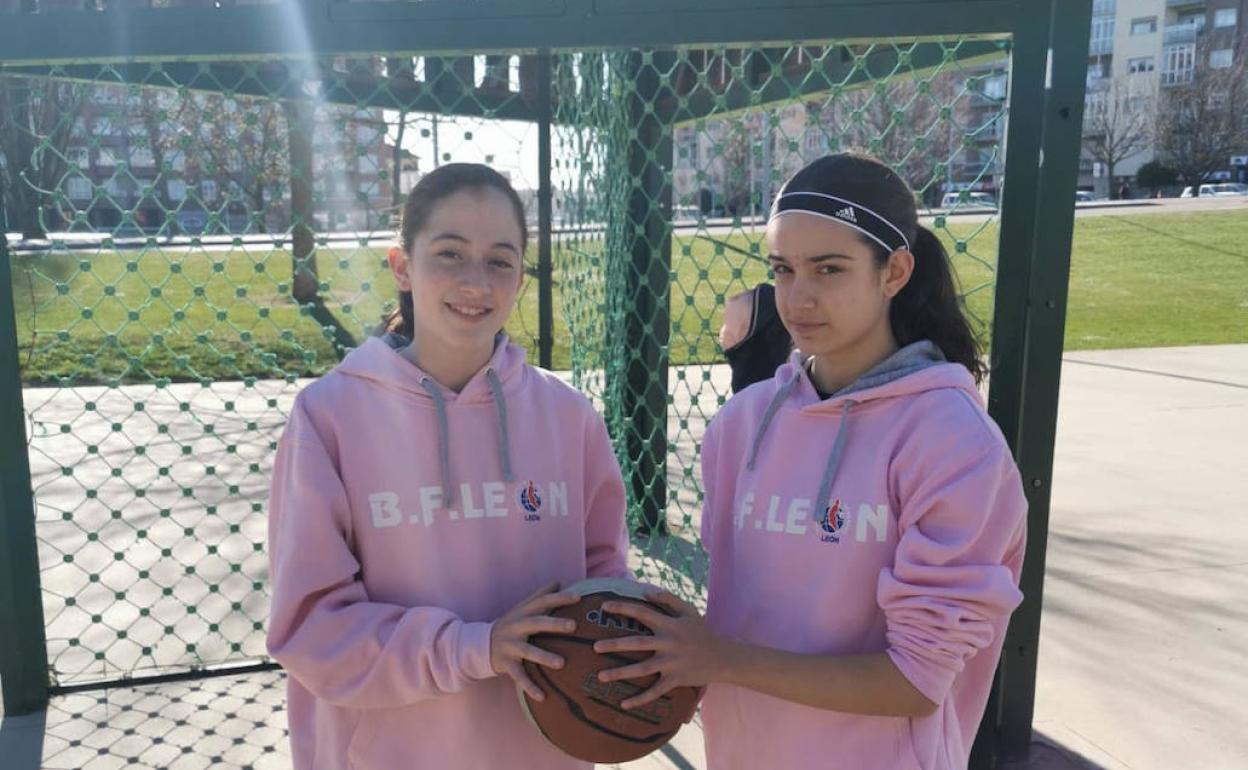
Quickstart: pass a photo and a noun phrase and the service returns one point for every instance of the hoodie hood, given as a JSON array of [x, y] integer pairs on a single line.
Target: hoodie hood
[[915, 368], [379, 360]]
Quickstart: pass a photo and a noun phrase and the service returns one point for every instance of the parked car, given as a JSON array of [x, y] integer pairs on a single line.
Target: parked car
[[1222, 190], [1083, 196], [972, 200]]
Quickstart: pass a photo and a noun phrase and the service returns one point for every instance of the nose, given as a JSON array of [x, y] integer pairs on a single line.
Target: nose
[[474, 279], [800, 296]]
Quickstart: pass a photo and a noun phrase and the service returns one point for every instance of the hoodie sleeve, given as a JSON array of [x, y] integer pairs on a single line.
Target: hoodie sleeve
[[710, 459], [606, 536], [955, 576], [323, 629]]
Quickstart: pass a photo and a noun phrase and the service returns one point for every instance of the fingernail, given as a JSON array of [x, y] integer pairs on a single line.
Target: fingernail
[[602, 676]]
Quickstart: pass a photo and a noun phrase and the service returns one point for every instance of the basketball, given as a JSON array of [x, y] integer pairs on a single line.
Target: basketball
[[582, 716]]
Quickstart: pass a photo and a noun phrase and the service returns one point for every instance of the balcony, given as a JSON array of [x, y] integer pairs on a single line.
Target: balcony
[[1185, 3], [1100, 46], [1176, 77], [1182, 33]]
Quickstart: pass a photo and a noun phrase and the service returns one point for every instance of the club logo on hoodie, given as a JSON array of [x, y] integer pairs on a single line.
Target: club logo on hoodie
[[531, 501], [832, 523]]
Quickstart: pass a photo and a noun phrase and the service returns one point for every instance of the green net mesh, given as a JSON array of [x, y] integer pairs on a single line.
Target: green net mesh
[[191, 241]]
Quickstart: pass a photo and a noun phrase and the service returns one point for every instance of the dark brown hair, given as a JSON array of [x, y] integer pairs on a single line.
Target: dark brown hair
[[928, 306], [437, 185]]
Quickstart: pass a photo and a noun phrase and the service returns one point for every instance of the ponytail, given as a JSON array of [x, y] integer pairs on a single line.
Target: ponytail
[[399, 321], [928, 307]]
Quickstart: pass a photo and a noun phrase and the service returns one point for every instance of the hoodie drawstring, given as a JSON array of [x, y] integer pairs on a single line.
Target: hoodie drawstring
[[838, 446], [504, 441], [444, 446], [834, 460], [781, 394]]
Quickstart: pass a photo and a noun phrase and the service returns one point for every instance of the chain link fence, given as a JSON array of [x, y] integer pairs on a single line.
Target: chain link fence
[[191, 241]]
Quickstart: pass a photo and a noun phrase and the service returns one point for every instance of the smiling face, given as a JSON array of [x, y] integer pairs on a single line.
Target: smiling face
[[831, 294], [464, 271]]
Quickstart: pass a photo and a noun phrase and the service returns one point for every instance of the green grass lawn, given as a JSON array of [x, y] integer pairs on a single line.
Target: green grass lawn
[[1136, 281]]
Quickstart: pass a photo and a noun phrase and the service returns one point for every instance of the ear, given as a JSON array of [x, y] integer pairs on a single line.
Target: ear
[[398, 267], [897, 272]]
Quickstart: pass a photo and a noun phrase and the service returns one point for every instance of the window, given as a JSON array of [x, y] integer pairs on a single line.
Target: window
[[177, 190], [1142, 64], [994, 87], [105, 157], [1096, 72], [1177, 64], [1221, 59], [78, 156], [208, 190], [1104, 7], [78, 188], [1102, 29], [1225, 17], [1196, 20], [1144, 26], [141, 157]]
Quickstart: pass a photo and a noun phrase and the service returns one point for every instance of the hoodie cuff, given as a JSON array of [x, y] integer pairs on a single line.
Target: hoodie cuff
[[934, 682], [474, 650]]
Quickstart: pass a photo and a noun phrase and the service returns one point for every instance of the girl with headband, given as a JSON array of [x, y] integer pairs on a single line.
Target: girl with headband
[[864, 517]]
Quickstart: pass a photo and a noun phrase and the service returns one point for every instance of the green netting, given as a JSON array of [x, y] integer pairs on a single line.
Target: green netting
[[190, 241]]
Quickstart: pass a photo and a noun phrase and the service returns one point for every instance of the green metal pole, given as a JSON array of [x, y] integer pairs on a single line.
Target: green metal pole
[[545, 215], [23, 644], [1037, 223], [648, 324]]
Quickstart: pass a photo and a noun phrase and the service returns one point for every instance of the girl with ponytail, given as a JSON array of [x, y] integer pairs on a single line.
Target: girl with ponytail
[[864, 518], [429, 496]]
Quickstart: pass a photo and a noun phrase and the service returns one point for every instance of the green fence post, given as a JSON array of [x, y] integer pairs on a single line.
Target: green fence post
[[545, 271], [23, 645], [1037, 222], [648, 325]]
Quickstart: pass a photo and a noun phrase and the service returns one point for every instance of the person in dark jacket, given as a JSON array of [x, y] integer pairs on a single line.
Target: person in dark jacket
[[754, 340]]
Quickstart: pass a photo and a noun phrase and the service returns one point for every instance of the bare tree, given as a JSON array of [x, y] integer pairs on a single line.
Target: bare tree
[[1118, 123], [908, 123], [1202, 122], [37, 117], [242, 142]]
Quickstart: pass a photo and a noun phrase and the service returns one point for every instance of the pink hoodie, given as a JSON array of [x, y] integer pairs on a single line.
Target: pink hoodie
[[404, 519], [915, 552]]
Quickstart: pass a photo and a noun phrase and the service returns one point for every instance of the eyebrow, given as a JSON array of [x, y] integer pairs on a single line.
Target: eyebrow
[[812, 260], [461, 239]]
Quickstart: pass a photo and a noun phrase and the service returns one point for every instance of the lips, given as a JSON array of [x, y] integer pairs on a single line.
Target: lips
[[472, 312], [799, 327]]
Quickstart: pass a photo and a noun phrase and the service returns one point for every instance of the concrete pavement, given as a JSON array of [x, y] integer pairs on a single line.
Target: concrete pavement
[[1141, 653]]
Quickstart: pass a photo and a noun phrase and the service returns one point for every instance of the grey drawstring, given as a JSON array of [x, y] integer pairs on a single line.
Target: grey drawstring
[[776, 401], [504, 442], [834, 460], [444, 446]]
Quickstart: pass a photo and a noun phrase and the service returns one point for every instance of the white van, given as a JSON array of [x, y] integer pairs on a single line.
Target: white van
[[977, 200]]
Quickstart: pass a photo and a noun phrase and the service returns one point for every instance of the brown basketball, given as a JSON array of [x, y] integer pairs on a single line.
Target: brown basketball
[[582, 716]]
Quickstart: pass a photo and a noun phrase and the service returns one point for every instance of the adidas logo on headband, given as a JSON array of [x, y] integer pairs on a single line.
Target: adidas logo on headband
[[853, 214]]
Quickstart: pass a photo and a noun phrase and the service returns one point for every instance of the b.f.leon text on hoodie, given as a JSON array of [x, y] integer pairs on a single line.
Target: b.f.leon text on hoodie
[[405, 518], [886, 518]]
